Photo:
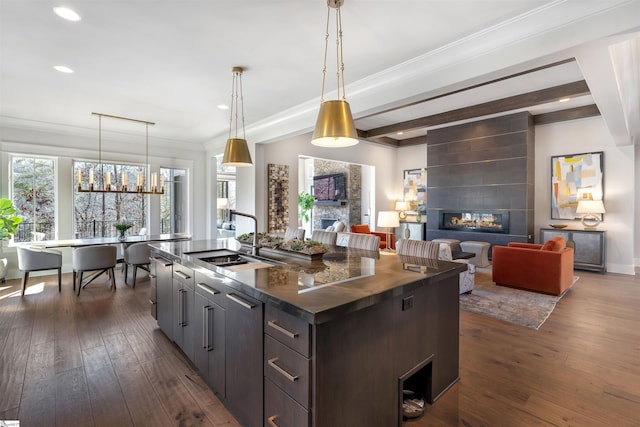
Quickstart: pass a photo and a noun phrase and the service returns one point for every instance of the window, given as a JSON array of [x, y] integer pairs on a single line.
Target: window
[[33, 194], [173, 200], [95, 214], [226, 187]]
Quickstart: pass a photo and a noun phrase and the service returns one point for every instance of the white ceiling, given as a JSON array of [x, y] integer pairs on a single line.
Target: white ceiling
[[170, 62]]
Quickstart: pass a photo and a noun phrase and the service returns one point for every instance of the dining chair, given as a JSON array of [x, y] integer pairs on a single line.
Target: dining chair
[[136, 255], [98, 259], [294, 233], [368, 242], [38, 259], [326, 237]]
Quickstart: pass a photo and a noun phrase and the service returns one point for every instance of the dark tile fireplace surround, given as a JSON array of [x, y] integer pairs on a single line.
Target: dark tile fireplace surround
[[480, 181]]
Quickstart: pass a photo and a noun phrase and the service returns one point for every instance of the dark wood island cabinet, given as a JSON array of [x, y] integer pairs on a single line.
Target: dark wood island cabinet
[[318, 343]]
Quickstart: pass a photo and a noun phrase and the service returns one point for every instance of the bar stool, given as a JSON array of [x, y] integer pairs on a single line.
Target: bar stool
[[100, 259]]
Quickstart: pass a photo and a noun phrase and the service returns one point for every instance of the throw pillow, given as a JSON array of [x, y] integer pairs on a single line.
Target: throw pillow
[[554, 244]]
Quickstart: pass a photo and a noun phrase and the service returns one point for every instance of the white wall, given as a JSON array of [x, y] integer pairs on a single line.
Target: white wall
[[589, 135]]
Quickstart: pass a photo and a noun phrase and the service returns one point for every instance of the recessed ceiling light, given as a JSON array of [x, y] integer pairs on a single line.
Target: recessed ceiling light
[[223, 107], [63, 69], [400, 133], [564, 100], [67, 14]]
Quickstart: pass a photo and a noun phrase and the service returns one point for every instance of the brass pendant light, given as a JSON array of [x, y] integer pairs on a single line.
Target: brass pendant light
[[236, 153], [334, 126]]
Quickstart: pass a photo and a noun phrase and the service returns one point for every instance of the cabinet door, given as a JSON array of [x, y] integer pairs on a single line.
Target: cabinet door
[[546, 234], [164, 295], [244, 359], [202, 335], [183, 318], [589, 249], [209, 346]]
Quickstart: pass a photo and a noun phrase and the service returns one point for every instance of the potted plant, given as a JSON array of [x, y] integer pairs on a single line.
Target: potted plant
[[8, 227], [122, 227], [305, 201]]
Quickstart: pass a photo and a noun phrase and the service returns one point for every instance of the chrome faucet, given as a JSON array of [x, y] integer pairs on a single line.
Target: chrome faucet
[[255, 249]]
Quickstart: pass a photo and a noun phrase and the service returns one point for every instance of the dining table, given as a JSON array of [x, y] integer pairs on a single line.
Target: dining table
[[92, 241]]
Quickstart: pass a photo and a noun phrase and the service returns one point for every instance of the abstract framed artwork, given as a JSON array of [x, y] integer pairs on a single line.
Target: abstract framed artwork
[[575, 177], [415, 190]]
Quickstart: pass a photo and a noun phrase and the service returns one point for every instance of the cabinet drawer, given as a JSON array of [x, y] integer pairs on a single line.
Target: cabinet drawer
[[211, 288], [288, 369], [288, 329], [184, 275], [281, 410]]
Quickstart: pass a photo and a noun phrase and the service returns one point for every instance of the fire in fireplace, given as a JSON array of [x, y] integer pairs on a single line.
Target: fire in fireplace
[[485, 222]]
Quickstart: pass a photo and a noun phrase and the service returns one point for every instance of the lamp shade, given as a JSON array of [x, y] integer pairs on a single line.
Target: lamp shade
[[590, 207], [402, 206], [236, 153], [388, 219], [335, 126], [223, 203]]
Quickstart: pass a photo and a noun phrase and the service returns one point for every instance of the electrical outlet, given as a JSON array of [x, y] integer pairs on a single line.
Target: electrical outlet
[[407, 303]]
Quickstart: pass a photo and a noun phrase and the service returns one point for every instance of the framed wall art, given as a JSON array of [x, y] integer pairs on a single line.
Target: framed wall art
[[415, 190], [575, 177]]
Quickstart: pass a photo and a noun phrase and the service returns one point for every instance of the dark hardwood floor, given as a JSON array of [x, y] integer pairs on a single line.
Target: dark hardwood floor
[[100, 360]]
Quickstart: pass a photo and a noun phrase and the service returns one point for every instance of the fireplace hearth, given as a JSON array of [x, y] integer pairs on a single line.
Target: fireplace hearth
[[478, 221]]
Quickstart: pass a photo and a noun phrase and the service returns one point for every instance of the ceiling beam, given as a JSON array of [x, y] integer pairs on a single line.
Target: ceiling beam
[[574, 89], [568, 114]]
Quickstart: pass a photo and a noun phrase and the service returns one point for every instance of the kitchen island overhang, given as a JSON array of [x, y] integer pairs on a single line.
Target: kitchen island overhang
[[380, 322]]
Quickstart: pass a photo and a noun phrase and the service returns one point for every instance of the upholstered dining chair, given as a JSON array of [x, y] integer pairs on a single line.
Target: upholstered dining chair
[[326, 237], [100, 259], [441, 251], [294, 233], [136, 255], [367, 242], [38, 259]]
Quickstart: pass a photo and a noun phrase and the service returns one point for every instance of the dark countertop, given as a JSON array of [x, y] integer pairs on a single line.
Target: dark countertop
[[342, 281]]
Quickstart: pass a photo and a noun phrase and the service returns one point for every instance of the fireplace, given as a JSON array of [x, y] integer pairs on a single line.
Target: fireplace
[[326, 222], [478, 221]]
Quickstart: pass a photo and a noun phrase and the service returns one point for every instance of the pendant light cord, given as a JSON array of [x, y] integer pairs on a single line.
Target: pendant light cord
[[339, 55]]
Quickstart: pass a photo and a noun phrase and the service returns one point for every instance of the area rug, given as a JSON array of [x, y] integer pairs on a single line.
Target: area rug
[[529, 309]]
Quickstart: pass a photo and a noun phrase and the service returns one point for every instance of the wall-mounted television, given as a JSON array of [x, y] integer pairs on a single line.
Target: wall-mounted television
[[329, 187]]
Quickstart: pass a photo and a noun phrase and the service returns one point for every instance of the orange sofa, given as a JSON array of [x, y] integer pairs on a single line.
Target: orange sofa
[[364, 229], [547, 268]]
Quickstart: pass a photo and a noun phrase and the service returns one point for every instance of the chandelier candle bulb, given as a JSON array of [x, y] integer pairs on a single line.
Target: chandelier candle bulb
[[91, 179], [79, 179], [108, 181]]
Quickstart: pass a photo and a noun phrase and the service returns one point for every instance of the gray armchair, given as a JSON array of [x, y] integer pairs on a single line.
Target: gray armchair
[[94, 258], [136, 255], [38, 259]]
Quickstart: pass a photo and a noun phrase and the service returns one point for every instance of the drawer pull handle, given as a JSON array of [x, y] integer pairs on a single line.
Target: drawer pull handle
[[240, 301], [182, 275], [272, 420], [274, 325], [166, 262], [206, 288], [287, 375]]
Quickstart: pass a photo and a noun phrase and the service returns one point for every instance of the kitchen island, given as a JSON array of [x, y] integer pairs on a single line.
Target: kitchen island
[[332, 341]]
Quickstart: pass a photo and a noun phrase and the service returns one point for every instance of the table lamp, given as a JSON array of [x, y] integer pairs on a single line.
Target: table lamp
[[403, 207], [388, 220], [590, 209]]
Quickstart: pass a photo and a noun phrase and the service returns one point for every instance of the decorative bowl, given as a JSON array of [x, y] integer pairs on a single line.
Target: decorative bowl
[[559, 225]]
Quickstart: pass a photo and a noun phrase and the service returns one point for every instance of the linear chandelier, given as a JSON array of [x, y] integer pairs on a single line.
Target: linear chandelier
[[143, 186]]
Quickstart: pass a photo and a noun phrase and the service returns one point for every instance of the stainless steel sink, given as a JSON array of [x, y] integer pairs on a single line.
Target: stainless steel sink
[[225, 260]]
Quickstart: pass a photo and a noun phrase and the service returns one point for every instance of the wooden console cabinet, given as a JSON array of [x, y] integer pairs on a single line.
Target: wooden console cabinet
[[589, 247]]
